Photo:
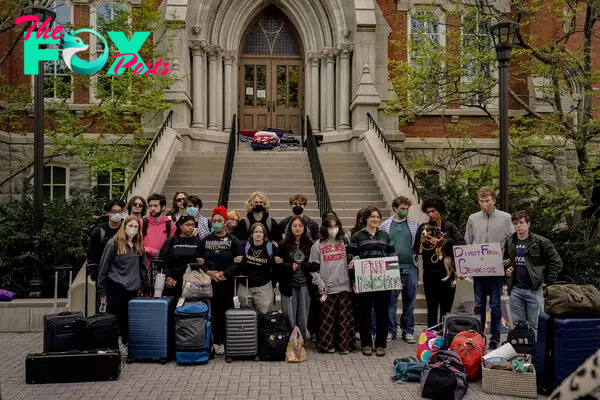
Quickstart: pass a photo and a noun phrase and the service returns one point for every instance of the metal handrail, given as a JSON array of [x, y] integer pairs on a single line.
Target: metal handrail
[[317, 170], [228, 168], [388, 147], [142, 165]]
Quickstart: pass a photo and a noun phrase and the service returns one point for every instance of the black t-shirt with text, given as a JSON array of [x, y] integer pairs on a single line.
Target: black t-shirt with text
[[522, 278]]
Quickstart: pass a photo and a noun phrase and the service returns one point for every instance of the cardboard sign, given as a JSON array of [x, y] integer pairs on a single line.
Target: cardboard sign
[[377, 274], [478, 260]]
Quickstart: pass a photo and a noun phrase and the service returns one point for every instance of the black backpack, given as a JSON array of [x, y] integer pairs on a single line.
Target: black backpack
[[273, 336], [522, 338], [444, 378]]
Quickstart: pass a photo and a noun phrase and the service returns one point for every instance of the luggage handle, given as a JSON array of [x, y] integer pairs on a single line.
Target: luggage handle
[[63, 267], [235, 278]]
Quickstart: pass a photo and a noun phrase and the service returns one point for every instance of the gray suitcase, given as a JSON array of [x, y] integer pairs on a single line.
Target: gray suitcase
[[241, 330]]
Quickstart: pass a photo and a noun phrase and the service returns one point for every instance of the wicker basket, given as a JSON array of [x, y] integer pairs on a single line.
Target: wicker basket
[[510, 383]]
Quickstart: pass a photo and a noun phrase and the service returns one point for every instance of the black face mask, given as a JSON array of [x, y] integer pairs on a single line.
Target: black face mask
[[258, 208], [297, 210]]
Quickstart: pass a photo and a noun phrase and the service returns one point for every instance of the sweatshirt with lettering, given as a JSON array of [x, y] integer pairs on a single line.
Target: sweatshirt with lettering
[[258, 265], [219, 252], [176, 254], [333, 271]]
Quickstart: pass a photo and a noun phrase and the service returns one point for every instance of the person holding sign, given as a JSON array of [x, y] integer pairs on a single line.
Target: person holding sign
[[372, 242], [488, 226], [531, 262], [439, 292]]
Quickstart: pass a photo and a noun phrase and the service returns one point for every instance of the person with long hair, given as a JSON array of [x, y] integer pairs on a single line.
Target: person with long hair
[[329, 259], [122, 273], [233, 219], [372, 242], [293, 274], [260, 256], [358, 225], [257, 209], [137, 206], [179, 206]]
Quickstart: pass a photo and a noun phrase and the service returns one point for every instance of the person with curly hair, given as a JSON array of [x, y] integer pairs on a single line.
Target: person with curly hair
[[439, 292], [257, 208], [137, 206]]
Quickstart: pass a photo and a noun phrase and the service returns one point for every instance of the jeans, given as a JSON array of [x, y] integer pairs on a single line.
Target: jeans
[[259, 298], [410, 281], [295, 308], [380, 301], [526, 305], [489, 286]]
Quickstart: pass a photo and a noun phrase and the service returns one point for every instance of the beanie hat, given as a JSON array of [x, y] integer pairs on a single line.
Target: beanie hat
[[222, 211]]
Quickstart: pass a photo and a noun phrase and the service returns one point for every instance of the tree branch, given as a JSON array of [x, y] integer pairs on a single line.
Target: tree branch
[[12, 46], [48, 158], [524, 105]]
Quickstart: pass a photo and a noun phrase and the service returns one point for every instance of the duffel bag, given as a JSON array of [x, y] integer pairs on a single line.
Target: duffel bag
[[572, 300]]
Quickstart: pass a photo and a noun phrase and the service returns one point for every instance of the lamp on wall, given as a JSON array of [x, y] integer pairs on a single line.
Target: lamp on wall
[[504, 33]]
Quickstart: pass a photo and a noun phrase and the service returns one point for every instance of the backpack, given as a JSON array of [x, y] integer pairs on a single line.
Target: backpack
[[193, 333], [269, 224], [522, 338], [408, 369], [470, 347], [269, 248], [444, 377], [145, 224], [273, 336], [460, 322]]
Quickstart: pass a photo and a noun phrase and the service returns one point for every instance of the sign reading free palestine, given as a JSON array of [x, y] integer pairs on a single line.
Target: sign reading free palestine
[[377, 274]]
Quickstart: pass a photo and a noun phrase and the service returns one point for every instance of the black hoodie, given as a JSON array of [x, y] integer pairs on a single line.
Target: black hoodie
[[243, 227], [100, 235]]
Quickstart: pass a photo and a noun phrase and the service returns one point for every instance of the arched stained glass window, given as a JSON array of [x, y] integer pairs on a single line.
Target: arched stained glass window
[[271, 35]]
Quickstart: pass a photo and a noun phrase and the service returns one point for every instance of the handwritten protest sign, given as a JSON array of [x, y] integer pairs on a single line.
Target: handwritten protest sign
[[377, 274], [478, 260]]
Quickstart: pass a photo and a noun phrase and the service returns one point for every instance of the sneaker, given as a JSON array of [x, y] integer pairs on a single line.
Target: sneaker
[[219, 349], [380, 352], [344, 352], [367, 351], [331, 350], [123, 349], [390, 337], [409, 338], [357, 336], [493, 346]]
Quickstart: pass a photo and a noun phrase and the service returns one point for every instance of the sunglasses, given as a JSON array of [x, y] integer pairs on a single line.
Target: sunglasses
[[181, 199], [138, 205]]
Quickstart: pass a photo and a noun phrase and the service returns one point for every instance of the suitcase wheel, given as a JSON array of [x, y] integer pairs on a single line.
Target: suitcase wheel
[[256, 358], [228, 360], [163, 362], [129, 360]]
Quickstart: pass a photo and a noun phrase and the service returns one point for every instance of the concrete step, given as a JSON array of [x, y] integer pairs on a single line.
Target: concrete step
[[273, 181], [312, 200], [339, 189], [248, 188], [239, 173], [357, 203]]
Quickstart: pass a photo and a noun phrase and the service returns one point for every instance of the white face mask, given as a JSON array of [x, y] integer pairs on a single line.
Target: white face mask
[[333, 232], [131, 231]]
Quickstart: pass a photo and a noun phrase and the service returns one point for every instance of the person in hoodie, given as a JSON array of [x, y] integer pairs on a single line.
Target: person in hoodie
[[177, 252], [329, 260], [260, 256], [122, 274], [489, 226], [293, 274], [298, 202], [257, 208], [218, 253], [156, 227], [101, 234]]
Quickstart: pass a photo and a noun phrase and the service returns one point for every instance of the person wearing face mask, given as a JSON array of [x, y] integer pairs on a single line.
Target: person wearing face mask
[[156, 227], [488, 226], [298, 203], [257, 208], [177, 252], [122, 273], [233, 219], [203, 225], [218, 253], [372, 242], [330, 273], [293, 274], [101, 234], [402, 231]]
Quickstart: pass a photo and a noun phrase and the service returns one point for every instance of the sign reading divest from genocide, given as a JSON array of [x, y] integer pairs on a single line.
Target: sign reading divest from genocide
[[377, 274], [478, 260]]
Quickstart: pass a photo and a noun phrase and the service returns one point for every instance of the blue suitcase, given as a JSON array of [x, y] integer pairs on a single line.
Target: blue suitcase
[[151, 335], [193, 333], [563, 345]]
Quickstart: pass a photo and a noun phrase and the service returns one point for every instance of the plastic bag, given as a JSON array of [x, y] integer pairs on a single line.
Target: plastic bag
[[295, 353], [6, 295], [196, 284]]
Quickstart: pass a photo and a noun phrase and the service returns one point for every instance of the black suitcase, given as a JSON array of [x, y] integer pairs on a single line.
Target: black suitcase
[[75, 366], [62, 331], [273, 336], [100, 331]]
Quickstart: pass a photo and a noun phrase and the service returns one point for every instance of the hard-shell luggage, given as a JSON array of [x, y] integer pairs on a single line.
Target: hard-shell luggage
[[74, 366], [273, 336], [460, 322], [193, 333], [62, 331], [100, 331], [241, 330], [563, 344], [151, 333]]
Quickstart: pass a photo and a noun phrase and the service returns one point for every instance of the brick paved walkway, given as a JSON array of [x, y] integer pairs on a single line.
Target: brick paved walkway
[[329, 376]]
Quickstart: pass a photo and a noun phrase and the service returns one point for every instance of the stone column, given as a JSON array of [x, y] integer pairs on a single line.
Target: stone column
[[344, 51], [329, 54], [213, 53], [198, 83], [314, 59], [228, 59]]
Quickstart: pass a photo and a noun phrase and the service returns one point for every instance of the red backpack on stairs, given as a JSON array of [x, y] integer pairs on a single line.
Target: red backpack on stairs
[[470, 346]]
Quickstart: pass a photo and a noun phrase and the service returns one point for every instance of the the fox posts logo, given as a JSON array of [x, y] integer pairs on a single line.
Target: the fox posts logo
[[128, 56]]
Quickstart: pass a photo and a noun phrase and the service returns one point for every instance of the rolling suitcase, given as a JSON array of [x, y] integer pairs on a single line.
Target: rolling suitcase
[[460, 322], [75, 366], [193, 333], [273, 336], [100, 331], [241, 330], [151, 329]]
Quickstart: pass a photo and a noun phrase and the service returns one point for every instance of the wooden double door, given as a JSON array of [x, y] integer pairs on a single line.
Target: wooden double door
[[271, 93]]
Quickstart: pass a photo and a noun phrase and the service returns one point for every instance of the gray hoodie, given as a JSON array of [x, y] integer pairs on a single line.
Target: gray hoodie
[[484, 228], [331, 256]]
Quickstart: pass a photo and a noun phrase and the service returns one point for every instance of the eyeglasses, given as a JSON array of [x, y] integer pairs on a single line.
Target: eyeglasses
[[138, 205], [116, 211], [181, 199]]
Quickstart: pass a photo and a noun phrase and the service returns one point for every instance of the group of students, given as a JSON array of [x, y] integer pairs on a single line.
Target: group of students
[[311, 263]]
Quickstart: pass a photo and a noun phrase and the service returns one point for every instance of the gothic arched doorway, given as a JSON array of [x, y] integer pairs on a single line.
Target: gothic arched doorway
[[271, 90]]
